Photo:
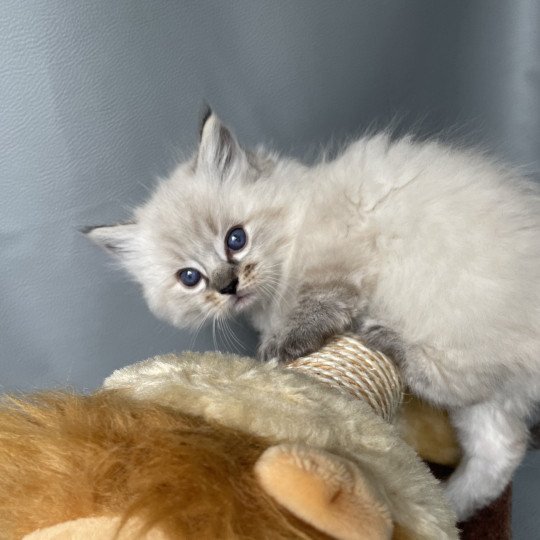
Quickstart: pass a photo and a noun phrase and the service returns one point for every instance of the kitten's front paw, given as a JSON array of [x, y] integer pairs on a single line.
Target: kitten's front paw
[[290, 345], [268, 349], [381, 338]]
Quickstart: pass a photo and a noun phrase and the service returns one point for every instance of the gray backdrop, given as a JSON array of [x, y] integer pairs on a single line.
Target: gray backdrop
[[99, 98]]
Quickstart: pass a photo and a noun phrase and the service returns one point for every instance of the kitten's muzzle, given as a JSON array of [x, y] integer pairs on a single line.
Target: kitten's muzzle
[[230, 288], [224, 279]]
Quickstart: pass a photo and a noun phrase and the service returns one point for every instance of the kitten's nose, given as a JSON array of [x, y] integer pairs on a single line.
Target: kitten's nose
[[230, 288]]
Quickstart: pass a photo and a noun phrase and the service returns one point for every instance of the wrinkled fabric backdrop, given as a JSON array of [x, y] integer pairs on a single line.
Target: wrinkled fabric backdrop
[[99, 98]]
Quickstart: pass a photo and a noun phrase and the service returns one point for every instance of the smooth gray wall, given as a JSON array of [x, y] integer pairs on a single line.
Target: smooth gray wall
[[98, 98]]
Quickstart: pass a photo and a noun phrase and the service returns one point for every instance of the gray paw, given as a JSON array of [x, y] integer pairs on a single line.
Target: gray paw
[[291, 345], [381, 338], [319, 315], [268, 349]]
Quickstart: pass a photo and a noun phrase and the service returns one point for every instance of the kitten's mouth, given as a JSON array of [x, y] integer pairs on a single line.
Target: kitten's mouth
[[243, 300]]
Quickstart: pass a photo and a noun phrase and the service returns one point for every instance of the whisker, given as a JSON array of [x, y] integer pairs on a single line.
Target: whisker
[[234, 337], [221, 329], [214, 333], [273, 292], [198, 329]]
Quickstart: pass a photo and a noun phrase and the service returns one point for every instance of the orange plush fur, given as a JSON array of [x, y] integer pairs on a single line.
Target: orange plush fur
[[71, 456]]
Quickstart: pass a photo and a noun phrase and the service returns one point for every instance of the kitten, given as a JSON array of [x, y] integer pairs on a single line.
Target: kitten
[[429, 253]]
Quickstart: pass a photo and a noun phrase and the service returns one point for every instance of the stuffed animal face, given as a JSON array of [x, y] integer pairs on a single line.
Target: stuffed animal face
[[168, 475]]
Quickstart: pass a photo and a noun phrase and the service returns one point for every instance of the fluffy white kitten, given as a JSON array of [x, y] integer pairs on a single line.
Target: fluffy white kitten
[[430, 253]]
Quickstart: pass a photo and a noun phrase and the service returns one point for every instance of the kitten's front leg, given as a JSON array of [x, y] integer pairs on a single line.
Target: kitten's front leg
[[320, 313]]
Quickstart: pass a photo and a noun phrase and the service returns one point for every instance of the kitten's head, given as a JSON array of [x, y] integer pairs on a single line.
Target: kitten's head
[[213, 239]]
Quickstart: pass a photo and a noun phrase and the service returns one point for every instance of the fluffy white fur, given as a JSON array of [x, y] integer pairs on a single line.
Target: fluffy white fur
[[281, 405], [439, 244]]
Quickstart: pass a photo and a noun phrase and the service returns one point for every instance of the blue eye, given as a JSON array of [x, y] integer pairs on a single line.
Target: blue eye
[[189, 276], [236, 239]]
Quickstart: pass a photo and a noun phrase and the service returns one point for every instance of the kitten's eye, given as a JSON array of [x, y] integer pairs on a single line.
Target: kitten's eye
[[189, 276], [236, 239]]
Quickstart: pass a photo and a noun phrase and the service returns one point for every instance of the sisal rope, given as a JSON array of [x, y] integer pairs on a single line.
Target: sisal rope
[[345, 363]]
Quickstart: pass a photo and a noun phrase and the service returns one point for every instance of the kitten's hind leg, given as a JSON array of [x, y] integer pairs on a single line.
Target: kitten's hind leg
[[494, 442], [493, 437]]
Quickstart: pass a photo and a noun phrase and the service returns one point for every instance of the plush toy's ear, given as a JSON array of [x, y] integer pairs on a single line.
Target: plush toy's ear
[[219, 153], [326, 491]]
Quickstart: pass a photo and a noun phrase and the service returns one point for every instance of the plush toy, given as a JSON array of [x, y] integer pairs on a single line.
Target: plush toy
[[428, 430], [216, 446]]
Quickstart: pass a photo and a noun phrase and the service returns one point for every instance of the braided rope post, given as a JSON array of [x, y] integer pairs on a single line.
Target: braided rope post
[[345, 363]]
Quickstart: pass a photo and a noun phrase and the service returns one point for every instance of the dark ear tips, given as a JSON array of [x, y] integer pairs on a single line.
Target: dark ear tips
[[205, 115], [218, 151], [89, 228]]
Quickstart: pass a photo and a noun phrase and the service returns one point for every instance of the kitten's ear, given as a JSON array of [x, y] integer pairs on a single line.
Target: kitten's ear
[[219, 152], [119, 240]]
